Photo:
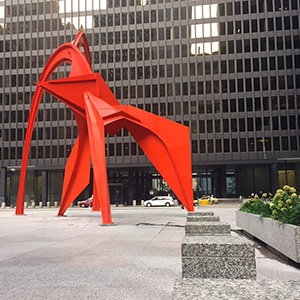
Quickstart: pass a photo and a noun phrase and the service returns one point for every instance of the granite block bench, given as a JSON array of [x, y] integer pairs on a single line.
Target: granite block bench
[[217, 257], [203, 219], [200, 213], [207, 228]]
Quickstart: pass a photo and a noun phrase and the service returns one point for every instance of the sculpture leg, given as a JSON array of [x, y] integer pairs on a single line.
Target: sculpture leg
[[32, 116], [97, 144], [96, 201], [77, 172]]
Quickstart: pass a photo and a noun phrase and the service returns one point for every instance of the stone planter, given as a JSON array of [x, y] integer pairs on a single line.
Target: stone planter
[[284, 238]]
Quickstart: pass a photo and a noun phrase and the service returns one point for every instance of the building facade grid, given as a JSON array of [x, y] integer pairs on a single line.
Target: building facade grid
[[229, 70]]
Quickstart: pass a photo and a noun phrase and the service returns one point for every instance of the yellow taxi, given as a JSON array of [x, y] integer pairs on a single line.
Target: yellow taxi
[[205, 200]]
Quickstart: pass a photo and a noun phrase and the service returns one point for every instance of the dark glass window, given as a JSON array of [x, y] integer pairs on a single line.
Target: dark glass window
[[233, 125], [258, 124], [229, 27], [270, 24], [263, 44], [253, 25], [254, 45], [250, 126], [246, 7], [275, 123], [276, 144], [222, 28], [232, 105], [243, 145], [247, 45], [287, 23], [229, 9], [202, 146], [271, 44], [295, 22], [222, 9], [242, 126], [226, 145], [262, 25], [269, 5], [248, 65], [239, 46], [292, 122], [255, 64], [278, 23], [249, 104], [234, 145], [240, 65], [272, 63], [224, 105], [246, 26], [284, 142]]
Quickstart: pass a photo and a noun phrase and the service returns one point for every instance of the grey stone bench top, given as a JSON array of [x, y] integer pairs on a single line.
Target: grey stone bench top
[[200, 213], [207, 228], [203, 218], [217, 246], [222, 289]]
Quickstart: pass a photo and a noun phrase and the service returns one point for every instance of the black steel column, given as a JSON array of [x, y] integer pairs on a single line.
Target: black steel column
[[223, 181], [44, 187], [3, 186], [130, 185]]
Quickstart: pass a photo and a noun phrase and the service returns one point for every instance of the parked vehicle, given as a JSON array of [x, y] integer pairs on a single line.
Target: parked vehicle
[[160, 201], [206, 200], [86, 203]]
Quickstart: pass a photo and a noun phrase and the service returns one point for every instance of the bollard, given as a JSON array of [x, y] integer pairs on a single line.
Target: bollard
[[25, 204], [142, 202], [55, 204], [41, 205], [48, 204], [3, 205], [32, 204], [134, 202], [117, 204], [125, 203]]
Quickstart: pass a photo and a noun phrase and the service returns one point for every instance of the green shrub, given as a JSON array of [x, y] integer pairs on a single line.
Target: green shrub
[[258, 206], [284, 207]]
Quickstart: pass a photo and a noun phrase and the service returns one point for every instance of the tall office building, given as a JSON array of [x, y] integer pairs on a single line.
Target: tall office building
[[230, 70]]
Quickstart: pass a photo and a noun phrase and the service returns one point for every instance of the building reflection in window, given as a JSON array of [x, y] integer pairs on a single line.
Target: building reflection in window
[[68, 6], [206, 30]]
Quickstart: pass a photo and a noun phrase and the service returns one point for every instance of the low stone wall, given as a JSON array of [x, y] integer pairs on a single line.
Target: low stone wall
[[284, 238]]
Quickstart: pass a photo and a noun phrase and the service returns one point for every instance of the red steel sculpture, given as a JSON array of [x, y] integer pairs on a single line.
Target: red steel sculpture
[[96, 111]]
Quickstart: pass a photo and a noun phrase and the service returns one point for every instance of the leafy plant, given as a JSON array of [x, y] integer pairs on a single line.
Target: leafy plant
[[257, 206], [284, 207]]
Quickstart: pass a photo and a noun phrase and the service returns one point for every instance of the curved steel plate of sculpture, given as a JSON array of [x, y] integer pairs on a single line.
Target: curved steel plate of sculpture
[[96, 111]]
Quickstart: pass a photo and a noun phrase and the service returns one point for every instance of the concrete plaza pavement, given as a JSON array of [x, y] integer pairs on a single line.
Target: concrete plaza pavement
[[47, 257]]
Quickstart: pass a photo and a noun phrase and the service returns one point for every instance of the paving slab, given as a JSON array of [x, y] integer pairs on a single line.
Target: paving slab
[[46, 257], [222, 289]]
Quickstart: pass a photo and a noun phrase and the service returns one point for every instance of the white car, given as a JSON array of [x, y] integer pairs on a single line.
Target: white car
[[160, 201]]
